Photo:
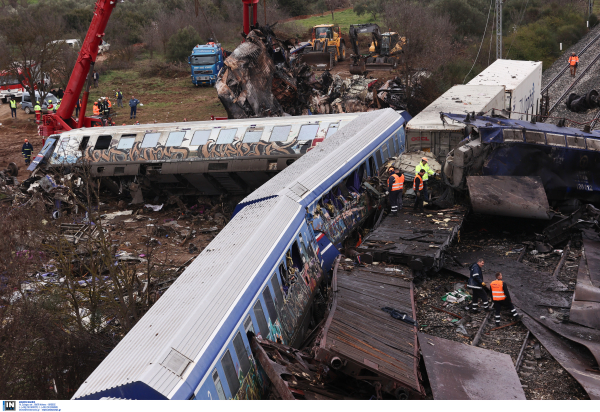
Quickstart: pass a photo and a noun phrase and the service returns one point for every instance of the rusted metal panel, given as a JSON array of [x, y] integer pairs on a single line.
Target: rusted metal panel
[[414, 240], [459, 371], [575, 359], [517, 196], [362, 340]]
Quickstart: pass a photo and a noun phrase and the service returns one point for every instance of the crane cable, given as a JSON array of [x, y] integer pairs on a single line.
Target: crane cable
[[482, 39]]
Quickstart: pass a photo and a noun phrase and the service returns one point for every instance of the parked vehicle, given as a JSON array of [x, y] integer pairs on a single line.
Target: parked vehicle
[[206, 61], [327, 47], [27, 104]]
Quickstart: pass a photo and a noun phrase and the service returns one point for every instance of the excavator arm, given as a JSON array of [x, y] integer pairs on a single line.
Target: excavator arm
[[356, 29]]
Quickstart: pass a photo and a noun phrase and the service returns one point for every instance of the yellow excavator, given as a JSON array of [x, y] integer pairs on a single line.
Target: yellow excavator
[[326, 48], [384, 46]]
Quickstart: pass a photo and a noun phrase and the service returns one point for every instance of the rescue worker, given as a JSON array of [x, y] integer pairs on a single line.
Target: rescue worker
[[38, 112], [119, 97], [476, 285], [106, 107], [133, 104], [27, 151], [422, 165], [96, 108], [50, 106], [418, 187], [13, 108], [57, 106], [395, 188], [78, 107], [501, 298], [573, 63]]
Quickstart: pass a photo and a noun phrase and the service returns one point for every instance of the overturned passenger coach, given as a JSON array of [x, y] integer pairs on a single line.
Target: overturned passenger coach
[[207, 158], [259, 276]]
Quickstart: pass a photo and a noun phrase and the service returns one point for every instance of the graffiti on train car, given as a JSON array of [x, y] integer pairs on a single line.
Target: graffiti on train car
[[337, 223], [137, 153], [237, 148], [252, 386], [210, 150]]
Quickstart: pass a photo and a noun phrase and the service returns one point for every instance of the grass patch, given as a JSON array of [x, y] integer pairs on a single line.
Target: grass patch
[[343, 18]]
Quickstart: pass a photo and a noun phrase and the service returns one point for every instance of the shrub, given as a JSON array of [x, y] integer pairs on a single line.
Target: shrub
[[180, 45]]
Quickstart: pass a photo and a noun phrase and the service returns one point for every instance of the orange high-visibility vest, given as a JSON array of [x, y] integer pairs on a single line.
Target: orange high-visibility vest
[[398, 182], [573, 60], [420, 184], [109, 103], [96, 109], [497, 290]]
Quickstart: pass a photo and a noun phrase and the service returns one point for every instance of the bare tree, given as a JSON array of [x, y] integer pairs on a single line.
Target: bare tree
[[33, 53], [332, 5], [151, 37]]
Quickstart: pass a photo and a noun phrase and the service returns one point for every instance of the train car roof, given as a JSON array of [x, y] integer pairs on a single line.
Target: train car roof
[[210, 124], [197, 315], [327, 163], [507, 73]]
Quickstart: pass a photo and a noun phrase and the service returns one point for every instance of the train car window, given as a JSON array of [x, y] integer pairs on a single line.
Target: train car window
[[372, 167], [126, 142], [175, 139], [226, 136], [103, 142], [263, 327], [252, 136], [308, 132], [284, 277], [270, 305], [230, 373], [248, 326], [332, 129], [200, 137], [296, 257], [84, 143], [385, 152], [378, 158], [280, 133], [277, 289], [150, 140], [219, 385], [576, 141], [242, 354], [593, 144], [555, 139]]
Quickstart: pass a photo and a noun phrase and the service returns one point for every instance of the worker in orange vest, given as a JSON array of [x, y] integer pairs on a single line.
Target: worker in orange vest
[[573, 62], [418, 187], [395, 187], [96, 109], [501, 298]]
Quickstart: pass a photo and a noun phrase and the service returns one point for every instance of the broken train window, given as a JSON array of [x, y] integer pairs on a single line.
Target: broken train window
[[103, 142], [248, 326], [277, 290], [371, 167], [83, 144], [218, 385], [242, 353], [283, 273], [270, 304]]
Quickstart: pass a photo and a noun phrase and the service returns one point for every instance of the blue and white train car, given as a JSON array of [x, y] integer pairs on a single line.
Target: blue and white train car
[[259, 274]]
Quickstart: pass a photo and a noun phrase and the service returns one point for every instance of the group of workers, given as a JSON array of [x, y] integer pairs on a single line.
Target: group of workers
[[102, 107], [395, 186], [500, 296]]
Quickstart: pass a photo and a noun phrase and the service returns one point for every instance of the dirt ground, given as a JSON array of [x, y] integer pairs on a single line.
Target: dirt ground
[[542, 377]]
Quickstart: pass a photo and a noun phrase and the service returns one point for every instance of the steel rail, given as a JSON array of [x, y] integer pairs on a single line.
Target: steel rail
[[583, 73], [567, 66]]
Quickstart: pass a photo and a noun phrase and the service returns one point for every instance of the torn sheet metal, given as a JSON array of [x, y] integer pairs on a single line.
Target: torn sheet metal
[[244, 84], [516, 196], [575, 359], [359, 336], [457, 371], [585, 308]]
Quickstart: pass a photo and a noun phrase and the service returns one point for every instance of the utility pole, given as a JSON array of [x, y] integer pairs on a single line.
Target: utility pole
[[498, 29]]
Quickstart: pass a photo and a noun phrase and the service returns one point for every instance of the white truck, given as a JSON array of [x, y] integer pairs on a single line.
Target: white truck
[[428, 133], [522, 81]]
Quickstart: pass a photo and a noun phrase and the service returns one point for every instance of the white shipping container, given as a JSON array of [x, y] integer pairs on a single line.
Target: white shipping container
[[522, 81], [427, 132]]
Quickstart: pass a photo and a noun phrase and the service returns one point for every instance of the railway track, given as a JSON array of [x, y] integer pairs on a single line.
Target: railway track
[[556, 79]]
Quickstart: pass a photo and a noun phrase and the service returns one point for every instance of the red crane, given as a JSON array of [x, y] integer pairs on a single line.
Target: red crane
[[247, 4], [63, 119]]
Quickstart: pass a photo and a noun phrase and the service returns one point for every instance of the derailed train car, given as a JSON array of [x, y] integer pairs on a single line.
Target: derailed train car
[[260, 275], [207, 158]]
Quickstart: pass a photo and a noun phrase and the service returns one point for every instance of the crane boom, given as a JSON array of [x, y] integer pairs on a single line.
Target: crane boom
[[63, 120]]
